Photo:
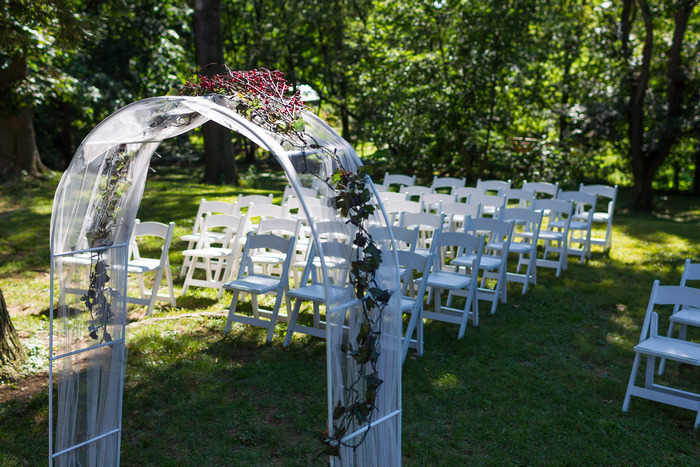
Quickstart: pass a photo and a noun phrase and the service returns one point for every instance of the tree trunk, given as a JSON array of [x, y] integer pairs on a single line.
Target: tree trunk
[[219, 162], [11, 353], [18, 151], [647, 156]]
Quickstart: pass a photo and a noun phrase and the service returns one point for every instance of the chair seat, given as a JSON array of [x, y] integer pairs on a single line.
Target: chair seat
[[255, 283], [597, 217], [548, 235], [268, 258], [578, 225], [448, 280], [487, 262], [689, 316], [668, 347], [214, 237], [515, 247], [143, 265], [407, 303], [315, 292], [210, 252]]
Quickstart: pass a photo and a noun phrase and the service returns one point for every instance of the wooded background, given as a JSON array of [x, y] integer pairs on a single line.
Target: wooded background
[[565, 90]]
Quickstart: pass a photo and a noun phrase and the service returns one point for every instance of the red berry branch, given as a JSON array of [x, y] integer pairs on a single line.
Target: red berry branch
[[262, 96]]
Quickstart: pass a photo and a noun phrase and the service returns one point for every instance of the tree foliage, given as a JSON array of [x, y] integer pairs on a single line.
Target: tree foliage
[[529, 89]]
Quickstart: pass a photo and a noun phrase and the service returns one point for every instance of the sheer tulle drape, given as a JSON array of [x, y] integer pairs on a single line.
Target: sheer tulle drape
[[90, 382]]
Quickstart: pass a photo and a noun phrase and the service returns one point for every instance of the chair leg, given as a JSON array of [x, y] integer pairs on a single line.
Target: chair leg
[[273, 317], [231, 312], [630, 385], [292, 322]]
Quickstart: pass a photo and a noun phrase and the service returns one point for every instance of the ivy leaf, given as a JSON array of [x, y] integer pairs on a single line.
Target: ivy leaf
[[338, 411]]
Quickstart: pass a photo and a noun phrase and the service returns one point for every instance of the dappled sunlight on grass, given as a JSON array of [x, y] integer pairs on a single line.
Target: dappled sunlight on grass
[[537, 383]]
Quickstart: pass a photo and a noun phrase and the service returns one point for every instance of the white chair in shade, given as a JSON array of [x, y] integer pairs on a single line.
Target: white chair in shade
[[398, 179], [494, 259], [427, 225], [580, 229], [542, 190], [490, 204], [463, 193], [447, 183], [394, 209], [213, 207], [526, 235], [311, 289], [493, 186], [604, 215], [248, 281], [414, 193], [432, 202], [456, 213], [687, 315], [217, 259], [444, 278], [518, 198], [554, 232], [653, 346], [412, 304], [387, 196], [141, 265]]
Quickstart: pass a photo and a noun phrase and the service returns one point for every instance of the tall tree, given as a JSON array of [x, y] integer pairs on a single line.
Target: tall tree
[[219, 163], [28, 30], [652, 137]]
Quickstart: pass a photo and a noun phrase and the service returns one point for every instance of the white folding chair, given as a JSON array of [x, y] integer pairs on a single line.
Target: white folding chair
[[580, 230], [490, 204], [286, 228], [496, 187], [448, 183], [395, 208], [603, 192], [456, 213], [518, 198], [462, 193], [140, 265], [684, 316], [652, 346], [217, 260], [554, 232], [494, 259], [244, 201], [213, 207], [442, 278], [311, 287], [414, 193], [542, 189], [398, 179], [412, 304], [432, 202], [255, 284], [526, 234], [406, 238], [387, 196], [427, 225]]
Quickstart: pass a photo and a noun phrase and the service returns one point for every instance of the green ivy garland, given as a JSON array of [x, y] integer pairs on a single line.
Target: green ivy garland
[[261, 96]]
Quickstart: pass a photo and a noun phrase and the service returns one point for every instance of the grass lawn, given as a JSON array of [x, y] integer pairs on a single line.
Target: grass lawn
[[540, 382]]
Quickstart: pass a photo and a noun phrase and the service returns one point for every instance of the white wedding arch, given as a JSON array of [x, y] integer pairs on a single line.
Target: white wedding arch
[[93, 213]]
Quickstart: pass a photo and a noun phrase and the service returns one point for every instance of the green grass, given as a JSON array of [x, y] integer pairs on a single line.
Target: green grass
[[541, 382]]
